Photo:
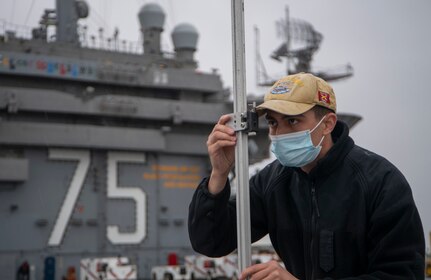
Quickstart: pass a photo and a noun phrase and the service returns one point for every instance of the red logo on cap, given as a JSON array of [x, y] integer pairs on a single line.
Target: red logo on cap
[[324, 97]]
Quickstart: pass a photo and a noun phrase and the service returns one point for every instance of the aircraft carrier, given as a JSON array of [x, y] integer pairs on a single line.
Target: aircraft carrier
[[101, 148]]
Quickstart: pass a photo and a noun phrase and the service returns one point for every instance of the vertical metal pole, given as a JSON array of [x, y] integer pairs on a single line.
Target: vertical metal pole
[[241, 149], [287, 35], [257, 54]]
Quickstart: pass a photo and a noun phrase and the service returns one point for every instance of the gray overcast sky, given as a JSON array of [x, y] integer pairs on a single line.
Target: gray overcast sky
[[386, 41]]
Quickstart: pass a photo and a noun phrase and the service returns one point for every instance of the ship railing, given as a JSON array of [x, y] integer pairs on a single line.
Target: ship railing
[[122, 46], [112, 45], [12, 30]]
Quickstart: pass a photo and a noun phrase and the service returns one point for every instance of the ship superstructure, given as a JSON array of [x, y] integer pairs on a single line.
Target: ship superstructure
[[101, 149]]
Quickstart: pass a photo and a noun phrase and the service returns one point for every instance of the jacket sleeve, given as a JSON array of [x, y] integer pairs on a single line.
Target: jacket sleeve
[[212, 220], [396, 245]]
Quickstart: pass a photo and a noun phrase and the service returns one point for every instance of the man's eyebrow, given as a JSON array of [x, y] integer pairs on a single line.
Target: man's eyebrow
[[293, 116], [268, 117]]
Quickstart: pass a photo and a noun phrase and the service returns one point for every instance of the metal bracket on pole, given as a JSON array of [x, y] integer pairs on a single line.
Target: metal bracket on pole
[[241, 148], [244, 121]]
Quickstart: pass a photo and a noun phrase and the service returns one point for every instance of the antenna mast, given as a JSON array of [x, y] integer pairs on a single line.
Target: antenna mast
[[287, 34]]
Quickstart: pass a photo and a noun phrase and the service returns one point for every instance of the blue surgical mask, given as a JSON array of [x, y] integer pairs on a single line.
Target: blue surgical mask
[[296, 149]]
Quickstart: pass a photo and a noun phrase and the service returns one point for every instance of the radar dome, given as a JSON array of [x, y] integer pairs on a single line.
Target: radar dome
[[151, 15], [185, 36]]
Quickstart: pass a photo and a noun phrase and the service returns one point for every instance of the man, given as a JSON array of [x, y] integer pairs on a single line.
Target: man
[[332, 209]]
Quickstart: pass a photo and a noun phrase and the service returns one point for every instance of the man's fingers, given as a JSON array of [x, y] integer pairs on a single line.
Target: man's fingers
[[224, 119], [223, 128], [220, 135], [263, 273], [269, 271], [249, 271], [220, 145], [221, 125], [221, 132]]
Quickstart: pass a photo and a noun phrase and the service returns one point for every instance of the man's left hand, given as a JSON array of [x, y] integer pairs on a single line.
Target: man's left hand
[[271, 270]]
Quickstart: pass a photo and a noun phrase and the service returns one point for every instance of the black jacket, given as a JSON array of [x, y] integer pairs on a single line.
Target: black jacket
[[352, 216]]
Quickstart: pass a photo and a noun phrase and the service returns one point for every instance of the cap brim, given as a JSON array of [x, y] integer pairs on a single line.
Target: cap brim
[[283, 107]]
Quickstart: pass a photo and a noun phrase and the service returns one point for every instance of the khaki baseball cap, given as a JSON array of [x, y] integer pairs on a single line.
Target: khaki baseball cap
[[298, 93]]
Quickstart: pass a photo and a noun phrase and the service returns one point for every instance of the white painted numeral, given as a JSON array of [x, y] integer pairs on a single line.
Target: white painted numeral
[[133, 193], [83, 158], [114, 192]]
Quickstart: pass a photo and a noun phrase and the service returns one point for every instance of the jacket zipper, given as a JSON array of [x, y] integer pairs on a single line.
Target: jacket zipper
[[314, 198], [315, 211]]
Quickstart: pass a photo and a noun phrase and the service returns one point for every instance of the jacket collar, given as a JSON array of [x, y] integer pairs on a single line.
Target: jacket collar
[[335, 156]]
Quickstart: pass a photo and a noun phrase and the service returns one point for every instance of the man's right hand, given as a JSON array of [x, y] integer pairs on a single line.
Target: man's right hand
[[221, 149]]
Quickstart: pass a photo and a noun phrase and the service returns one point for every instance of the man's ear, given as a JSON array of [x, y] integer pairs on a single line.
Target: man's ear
[[330, 121]]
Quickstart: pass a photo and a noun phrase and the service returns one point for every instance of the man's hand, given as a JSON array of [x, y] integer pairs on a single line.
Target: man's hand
[[221, 149], [268, 271]]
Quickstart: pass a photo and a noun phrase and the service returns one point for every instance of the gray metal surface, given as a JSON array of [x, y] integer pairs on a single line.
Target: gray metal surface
[[7, 265], [100, 151], [13, 169], [241, 148], [91, 69], [114, 105]]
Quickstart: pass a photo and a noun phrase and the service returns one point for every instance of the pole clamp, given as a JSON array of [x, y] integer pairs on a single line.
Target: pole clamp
[[245, 121]]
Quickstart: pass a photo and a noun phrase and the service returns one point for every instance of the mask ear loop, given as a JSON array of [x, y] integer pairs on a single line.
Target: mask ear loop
[[321, 140], [323, 137], [318, 124]]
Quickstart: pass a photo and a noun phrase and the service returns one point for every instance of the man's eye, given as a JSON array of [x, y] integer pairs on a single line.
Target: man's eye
[[292, 121], [271, 123]]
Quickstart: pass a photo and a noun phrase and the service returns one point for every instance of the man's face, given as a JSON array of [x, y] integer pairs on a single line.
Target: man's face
[[282, 124]]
